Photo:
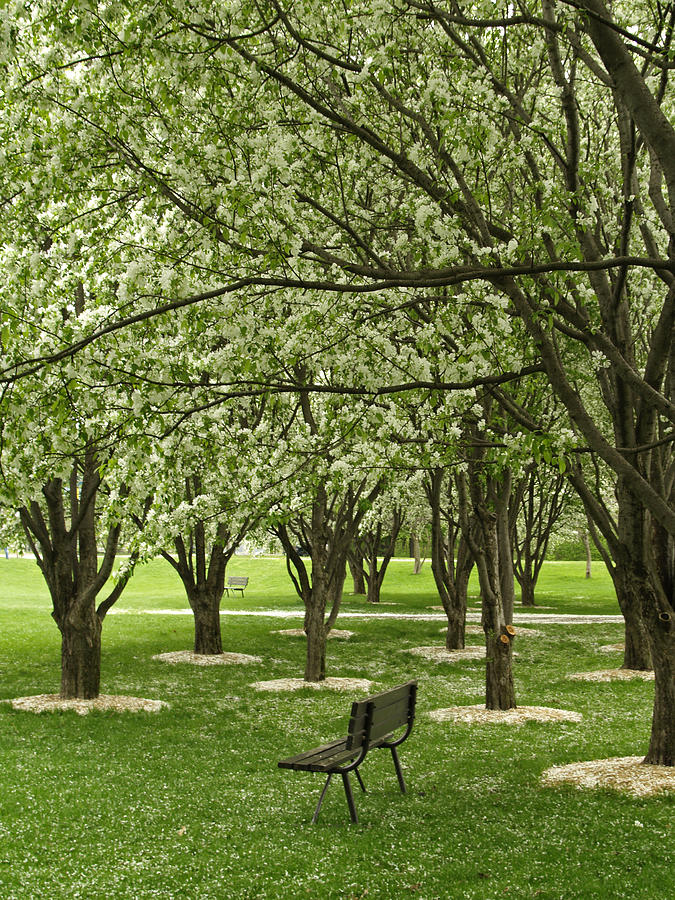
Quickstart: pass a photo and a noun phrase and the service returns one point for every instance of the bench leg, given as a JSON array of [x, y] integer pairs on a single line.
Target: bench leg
[[323, 794], [350, 798], [358, 775], [397, 766]]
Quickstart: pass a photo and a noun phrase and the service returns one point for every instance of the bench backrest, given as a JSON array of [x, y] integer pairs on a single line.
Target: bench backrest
[[237, 579], [377, 716]]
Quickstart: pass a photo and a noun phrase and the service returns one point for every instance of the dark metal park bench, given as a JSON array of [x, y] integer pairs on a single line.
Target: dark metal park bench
[[372, 725], [236, 583]]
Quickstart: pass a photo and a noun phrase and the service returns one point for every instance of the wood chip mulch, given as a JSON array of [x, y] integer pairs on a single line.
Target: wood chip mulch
[[295, 684], [613, 675], [479, 715], [204, 659], [440, 654], [627, 774], [104, 702]]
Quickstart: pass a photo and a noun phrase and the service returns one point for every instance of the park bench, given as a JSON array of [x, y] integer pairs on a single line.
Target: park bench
[[372, 724], [236, 583]]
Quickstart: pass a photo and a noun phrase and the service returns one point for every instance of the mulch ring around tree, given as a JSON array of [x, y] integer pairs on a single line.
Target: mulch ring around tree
[[479, 715], [103, 703], [204, 659], [440, 654], [521, 631], [613, 675], [626, 774], [295, 684], [299, 632]]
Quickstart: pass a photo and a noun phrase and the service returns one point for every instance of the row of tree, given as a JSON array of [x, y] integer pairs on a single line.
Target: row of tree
[[352, 240]]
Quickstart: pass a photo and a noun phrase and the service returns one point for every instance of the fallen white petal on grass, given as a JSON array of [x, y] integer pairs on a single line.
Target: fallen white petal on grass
[[469, 629], [478, 715], [440, 654], [104, 702], [627, 774], [299, 632], [613, 675], [295, 684], [205, 659]]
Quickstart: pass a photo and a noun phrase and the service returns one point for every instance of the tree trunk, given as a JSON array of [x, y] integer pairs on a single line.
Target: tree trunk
[[415, 549], [630, 588], [315, 628], [355, 561], [65, 548], [374, 582], [208, 636], [505, 545], [499, 687], [452, 579], [637, 652], [527, 587], [662, 741], [81, 657], [587, 548], [455, 636], [201, 563]]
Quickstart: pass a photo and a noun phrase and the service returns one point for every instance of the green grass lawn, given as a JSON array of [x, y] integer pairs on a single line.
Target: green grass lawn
[[562, 587], [188, 802]]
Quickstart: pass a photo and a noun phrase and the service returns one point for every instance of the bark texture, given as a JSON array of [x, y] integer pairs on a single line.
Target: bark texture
[[481, 488], [61, 529], [200, 558], [451, 575]]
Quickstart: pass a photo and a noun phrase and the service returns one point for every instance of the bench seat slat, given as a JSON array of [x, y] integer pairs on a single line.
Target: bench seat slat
[[329, 764], [323, 750], [321, 759]]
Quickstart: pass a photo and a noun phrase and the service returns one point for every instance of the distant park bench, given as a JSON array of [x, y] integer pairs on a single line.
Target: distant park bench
[[236, 583], [372, 725]]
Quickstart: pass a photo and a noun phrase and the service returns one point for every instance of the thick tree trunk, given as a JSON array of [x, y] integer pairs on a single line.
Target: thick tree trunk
[[505, 545], [208, 636], [374, 582], [499, 687], [661, 750], [201, 563], [637, 652], [526, 587], [630, 588], [500, 690], [65, 547], [81, 657], [455, 636], [315, 628]]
